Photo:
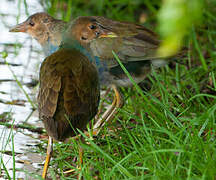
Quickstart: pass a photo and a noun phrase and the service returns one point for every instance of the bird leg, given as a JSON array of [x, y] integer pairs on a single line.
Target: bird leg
[[80, 158], [119, 104], [101, 105], [109, 114], [48, 156], [82, 140], [105, 115]]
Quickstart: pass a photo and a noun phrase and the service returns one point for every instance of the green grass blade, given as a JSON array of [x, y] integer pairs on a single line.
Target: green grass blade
[[105, 155]]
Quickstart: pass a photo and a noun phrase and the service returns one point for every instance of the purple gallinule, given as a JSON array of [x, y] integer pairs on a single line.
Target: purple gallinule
[[69, 91], [134, 44]]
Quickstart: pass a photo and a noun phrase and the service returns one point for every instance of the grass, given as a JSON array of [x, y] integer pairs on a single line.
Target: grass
[[6, 138], [167, 132], [175, 142]]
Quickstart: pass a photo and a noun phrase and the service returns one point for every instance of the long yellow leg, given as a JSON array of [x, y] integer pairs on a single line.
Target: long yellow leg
[[101, 105], [106, 114], [80, 157], [80, 162], [48, 157], [119, 104], [81, 153], [111, 112]]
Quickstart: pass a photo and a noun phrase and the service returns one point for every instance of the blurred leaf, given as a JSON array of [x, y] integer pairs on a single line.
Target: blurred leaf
[[4, 54], [176, 18]]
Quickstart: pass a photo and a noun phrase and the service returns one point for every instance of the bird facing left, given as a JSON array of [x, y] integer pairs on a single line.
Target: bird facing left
[[45, 29], [69, 91]]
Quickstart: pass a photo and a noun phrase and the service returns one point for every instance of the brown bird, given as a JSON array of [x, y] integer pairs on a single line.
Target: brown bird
[[68, 93], [134, 44], [45, 29]]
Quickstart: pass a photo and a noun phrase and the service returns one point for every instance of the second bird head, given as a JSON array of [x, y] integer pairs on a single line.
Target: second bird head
[[86, 29]]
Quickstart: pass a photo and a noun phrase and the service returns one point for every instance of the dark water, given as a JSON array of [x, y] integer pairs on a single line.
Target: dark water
[[13, 101]]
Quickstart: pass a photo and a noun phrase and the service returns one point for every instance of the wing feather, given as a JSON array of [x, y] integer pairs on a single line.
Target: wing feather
[[134, 42], [69, 93]]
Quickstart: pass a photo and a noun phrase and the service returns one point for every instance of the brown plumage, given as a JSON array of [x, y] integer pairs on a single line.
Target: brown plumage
[[68, 86], [69, 93], [130, 41], [45, 29], [135, 45]]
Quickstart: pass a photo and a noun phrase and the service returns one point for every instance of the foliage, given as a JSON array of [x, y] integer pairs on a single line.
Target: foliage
[[166, 131]]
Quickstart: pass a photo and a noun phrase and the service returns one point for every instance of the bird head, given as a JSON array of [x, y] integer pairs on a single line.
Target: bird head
[[87, 29], [37, 25]]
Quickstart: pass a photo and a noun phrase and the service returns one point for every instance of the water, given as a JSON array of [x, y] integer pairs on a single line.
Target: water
[[29, 56]]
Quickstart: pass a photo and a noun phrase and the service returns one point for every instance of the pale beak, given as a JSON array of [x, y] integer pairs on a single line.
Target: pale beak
[[108, 35], [22, 27]]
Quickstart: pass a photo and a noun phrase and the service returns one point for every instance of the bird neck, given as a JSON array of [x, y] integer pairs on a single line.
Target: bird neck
[[55, 30], [52, 34], [74, 44], [49, 47]]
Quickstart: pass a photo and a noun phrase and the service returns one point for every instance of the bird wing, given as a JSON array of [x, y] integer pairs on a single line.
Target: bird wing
[[69, 93], [50, 85], [133, 42]]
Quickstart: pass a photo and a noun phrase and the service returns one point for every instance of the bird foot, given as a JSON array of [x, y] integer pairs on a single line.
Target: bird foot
[[110, 113], [72, 170], [48, 157]]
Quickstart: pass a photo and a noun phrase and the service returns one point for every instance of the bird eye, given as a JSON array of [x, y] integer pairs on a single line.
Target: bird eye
[[31, 23], [92, 26], [83, 38]]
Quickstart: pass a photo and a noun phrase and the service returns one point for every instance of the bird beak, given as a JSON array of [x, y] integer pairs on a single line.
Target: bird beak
[[108, 35], [22, 27]]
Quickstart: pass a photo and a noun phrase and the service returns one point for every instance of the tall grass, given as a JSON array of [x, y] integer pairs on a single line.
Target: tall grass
[[167, 132]]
